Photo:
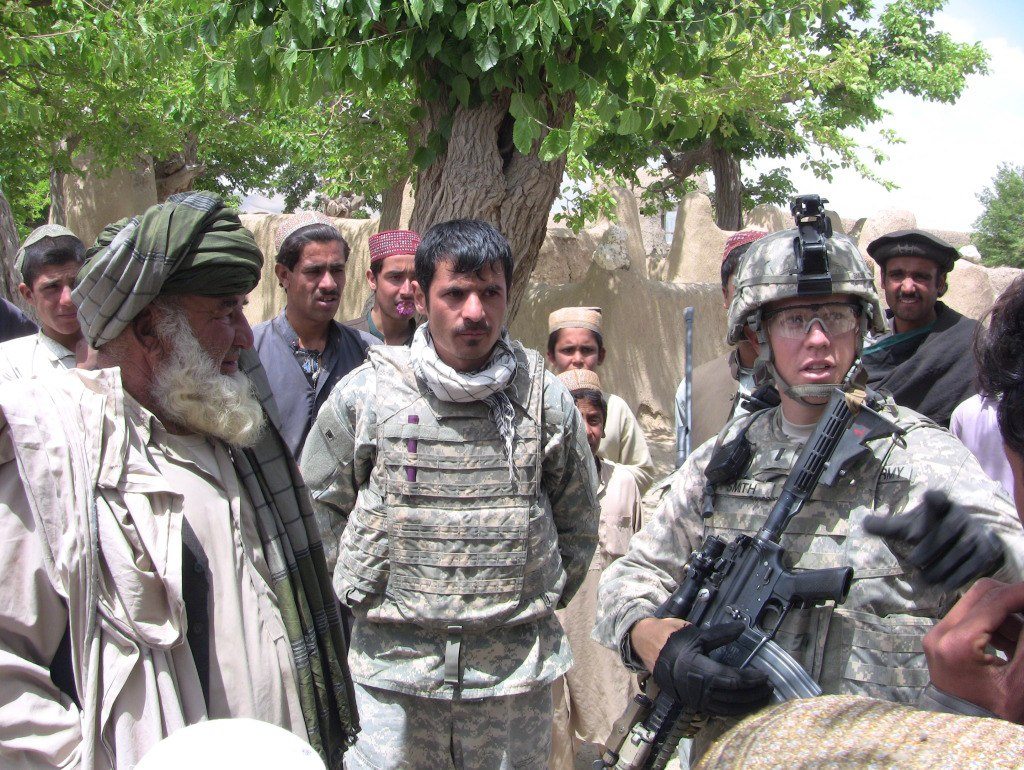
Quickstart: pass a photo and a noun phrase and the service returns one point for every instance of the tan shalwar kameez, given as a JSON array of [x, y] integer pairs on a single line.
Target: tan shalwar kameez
[[85, 440], [592, 694], [624, 442], [33, 356]]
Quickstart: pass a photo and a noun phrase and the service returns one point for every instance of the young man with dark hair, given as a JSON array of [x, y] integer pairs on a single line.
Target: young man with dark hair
[[304, 350], [575, 342], [457, 494], [718, 385], [391, 318], [925, 360], [48, 264]]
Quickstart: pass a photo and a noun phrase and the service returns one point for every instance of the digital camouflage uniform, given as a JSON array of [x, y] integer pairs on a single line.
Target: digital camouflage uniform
[[871, 644], [453, 572]]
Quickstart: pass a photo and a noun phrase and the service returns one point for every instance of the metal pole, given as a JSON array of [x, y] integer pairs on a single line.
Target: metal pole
[[688, 379]]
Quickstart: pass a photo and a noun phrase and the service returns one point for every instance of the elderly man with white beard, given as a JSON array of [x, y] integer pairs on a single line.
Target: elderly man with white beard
[[161, 562]]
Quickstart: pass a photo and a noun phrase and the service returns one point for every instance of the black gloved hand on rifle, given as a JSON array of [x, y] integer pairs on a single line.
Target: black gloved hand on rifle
[[703, 685], [949, 547]]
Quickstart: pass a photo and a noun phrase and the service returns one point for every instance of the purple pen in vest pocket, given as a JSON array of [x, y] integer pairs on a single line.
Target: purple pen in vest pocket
[[410, 444]]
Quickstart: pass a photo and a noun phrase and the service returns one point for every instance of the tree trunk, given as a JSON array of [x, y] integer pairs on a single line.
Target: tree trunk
[[391, 206], [728, 190], [178, 172], [8, 250], [58, 201], [483, 176]]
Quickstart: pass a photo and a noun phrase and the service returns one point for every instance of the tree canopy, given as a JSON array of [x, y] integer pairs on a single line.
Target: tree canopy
[[490, 105], [495, 86], [999, 231], [802, 96]]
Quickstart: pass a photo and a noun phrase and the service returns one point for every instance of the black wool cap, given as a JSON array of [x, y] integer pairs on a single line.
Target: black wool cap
[[913, 243]]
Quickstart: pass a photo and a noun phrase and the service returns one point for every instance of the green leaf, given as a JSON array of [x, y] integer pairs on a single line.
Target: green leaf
[[629, 122], [607, 109], [639, 11], [460, 25], [357, 61], [416, 11], [684, 129], [290, 55], [460, 87], [555, 144], [549, 15], [423, 157], [245, 76], [435, 40], [487, 16], [797, 23], [563, 76], [487, 56], [524, 134], [208, 32]]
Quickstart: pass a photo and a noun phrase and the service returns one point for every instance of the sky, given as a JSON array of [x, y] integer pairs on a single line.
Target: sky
[[951, 152]]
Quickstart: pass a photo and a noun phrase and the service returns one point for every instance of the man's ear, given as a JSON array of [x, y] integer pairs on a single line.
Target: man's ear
[[941, 285], [420, 299], [144, 330], [371, 279], [600, 355], [283, 274], [25, 291]]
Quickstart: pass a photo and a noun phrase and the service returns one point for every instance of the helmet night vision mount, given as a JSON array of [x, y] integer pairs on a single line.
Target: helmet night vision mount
[[814, 229]]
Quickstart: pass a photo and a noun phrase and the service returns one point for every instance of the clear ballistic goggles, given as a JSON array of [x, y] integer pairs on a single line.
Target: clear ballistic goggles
[[794, 322]]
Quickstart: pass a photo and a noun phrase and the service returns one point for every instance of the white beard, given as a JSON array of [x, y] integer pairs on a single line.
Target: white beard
[[190, 390]]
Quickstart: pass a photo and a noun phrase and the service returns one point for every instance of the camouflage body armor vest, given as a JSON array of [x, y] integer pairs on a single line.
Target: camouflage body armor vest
[[871, 644], [466, 542]]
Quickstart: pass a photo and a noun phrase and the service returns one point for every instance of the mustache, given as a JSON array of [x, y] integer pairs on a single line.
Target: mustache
[[473, 326], [327, 295]]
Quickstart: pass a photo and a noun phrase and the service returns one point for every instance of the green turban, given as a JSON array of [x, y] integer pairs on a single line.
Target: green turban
[[191, 244]]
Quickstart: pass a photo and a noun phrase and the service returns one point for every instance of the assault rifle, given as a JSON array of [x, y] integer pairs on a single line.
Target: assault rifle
[[745, 580]]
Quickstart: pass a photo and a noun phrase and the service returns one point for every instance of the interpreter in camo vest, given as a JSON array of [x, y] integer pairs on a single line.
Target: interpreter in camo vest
[[458, 495]]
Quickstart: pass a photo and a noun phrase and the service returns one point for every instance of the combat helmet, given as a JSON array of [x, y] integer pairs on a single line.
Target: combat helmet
[[807, 261]]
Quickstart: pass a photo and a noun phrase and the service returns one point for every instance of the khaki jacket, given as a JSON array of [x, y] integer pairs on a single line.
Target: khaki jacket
[[90, 541]]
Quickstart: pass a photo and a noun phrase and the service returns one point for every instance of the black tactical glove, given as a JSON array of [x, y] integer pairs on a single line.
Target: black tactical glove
[[949, 547], [703, 685]]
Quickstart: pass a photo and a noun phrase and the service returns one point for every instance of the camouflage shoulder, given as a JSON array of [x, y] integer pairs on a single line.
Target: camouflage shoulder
[[354, 393], [657, 491], [557, 398]]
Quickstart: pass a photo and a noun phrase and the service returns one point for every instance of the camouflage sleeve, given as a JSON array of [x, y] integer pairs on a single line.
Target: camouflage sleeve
[[934, 459], [632, 587], [570, 481], [339, 453]]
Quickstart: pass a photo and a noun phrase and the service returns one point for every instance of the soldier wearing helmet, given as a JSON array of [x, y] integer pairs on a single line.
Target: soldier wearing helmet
[[805, 300]]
